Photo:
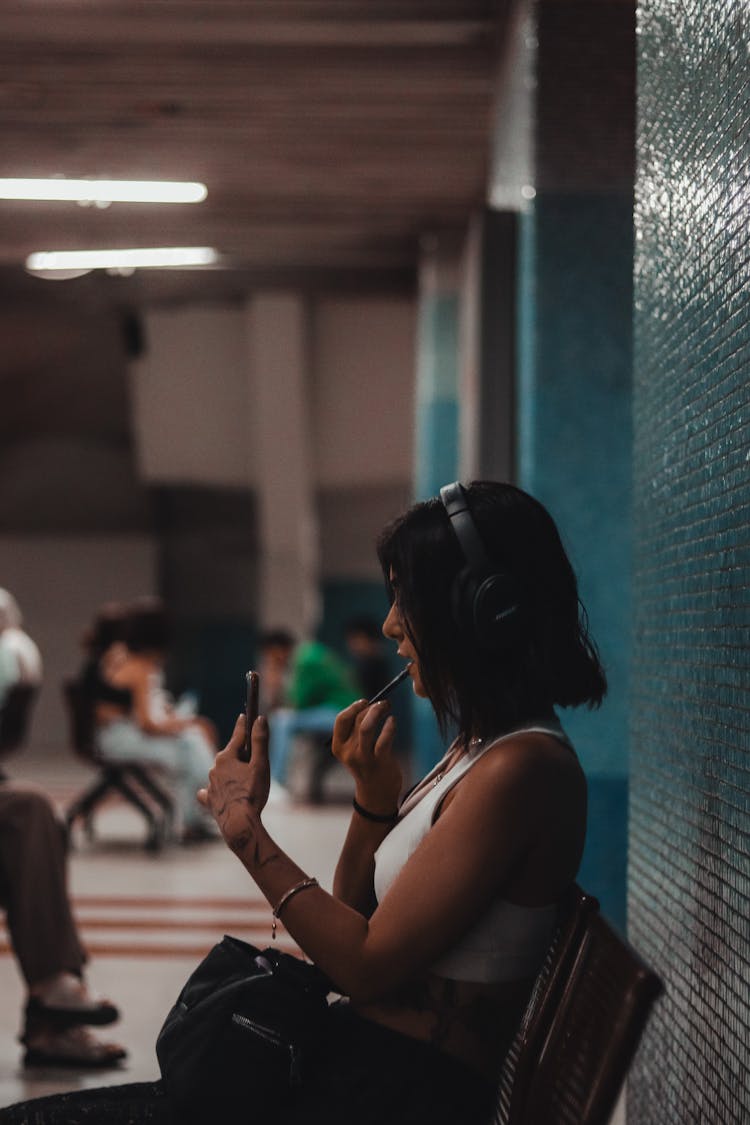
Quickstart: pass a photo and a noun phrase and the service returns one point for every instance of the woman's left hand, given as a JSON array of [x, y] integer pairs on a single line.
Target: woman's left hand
[[237, 791]]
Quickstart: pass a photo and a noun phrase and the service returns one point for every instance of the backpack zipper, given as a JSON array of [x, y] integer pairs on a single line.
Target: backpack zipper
[[272, 1036]]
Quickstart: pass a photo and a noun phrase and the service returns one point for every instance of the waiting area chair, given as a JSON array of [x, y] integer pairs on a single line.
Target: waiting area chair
[[131, 780], [15, 715], [582, 1025]]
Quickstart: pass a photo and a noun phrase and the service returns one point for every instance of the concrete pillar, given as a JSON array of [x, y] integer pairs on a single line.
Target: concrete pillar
[[436, 439], [487, 348], [437, 415], [278, 363]]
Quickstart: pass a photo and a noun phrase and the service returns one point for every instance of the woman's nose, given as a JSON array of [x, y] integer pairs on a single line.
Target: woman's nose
[[392, 624]]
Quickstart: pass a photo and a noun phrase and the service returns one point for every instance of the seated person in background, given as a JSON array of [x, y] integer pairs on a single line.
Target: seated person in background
[[33, 894], [318, 686], [364, 643], [143, 726], [44, 937], [104, 645], [20, 660]]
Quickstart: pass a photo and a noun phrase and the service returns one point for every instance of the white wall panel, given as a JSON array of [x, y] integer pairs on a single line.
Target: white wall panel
[[363, 384], [193, 419], [60, 582]]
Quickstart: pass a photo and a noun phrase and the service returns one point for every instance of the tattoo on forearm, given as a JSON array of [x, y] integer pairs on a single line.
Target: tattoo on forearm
[[244, 838]]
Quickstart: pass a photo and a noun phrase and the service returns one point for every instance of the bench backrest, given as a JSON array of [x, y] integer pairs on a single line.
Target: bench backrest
[[80, 711], [582, 1025]]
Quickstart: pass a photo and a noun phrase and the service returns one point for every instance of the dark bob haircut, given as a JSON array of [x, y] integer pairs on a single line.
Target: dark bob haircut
[[148, 627], [551, 660]]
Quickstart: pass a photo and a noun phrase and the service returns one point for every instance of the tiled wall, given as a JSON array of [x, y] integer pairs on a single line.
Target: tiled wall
[[689, 861]]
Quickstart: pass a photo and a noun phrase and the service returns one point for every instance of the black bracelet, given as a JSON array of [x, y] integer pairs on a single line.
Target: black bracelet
[[379, 818]]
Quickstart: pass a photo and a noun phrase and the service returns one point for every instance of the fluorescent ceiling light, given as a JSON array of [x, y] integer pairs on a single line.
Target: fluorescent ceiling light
[[156, 257], [104, 191]]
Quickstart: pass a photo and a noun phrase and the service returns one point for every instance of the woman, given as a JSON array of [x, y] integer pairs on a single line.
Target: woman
[[136, 720], [441, 910]]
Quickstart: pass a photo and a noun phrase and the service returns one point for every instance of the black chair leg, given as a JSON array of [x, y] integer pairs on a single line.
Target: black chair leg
[[323, 760], [115, 778], [85, 804], [155, 791], [156, 834]]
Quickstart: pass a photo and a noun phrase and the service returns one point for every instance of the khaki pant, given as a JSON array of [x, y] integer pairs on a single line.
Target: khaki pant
[[33, 884]]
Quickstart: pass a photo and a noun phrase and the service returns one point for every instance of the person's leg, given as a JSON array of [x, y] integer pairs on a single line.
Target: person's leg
[[280, 735], [316, 720], [186, 757], [196, 759], [284, 724], [33, 875], [44, 936]]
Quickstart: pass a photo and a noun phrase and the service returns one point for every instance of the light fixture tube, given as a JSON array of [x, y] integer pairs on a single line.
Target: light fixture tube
[[146, 258], [104, 191]]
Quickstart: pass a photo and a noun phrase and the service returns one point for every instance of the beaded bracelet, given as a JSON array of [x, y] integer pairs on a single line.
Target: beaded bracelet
[[378, 818], [285, 899]]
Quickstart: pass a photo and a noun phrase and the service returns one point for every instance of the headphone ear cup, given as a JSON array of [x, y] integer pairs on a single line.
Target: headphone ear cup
[[496, 611], [462, 600]]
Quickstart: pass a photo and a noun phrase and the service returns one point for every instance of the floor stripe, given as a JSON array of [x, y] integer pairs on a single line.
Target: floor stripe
[[170, 902], [226, 925], [113, 949]]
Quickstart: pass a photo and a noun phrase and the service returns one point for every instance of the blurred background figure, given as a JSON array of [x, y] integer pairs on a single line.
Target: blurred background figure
[[364, 643], [105, 650], [33, 892], [312, 684], [44, 937], [20, 659], [275, 647], [136, 719]]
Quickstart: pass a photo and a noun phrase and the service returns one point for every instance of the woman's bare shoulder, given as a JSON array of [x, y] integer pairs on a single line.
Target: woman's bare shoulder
[[523, 769]]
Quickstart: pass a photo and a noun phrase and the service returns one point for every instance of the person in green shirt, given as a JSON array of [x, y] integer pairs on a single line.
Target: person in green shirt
[[312, 684]]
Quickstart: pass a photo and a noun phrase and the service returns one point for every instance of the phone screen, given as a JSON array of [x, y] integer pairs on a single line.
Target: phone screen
[[252, 691]]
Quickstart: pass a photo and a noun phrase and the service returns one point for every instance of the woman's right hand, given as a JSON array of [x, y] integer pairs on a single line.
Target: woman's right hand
[[363, 742]]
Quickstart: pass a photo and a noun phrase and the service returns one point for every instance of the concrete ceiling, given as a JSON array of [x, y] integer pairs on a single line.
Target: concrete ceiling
[[331, 135]]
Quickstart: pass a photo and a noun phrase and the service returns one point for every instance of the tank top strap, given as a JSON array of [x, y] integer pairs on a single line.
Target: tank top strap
[[439, 781]]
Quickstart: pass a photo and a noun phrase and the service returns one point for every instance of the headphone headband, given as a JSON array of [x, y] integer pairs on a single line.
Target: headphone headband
[[484, 596], [457, 506]]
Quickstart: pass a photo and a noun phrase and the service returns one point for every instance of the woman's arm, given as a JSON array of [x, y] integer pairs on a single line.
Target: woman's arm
[[443, 888], [366, 750], [354, 881]]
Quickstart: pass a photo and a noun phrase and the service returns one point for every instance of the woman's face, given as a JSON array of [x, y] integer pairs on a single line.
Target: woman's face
[[394, 630]]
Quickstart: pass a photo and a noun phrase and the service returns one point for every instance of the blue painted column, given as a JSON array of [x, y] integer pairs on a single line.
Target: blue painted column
[[575, 441], [573, 182], [437, 418]]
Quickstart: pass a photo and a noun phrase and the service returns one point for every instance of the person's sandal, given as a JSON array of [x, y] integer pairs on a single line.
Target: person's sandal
[[73, 1048], [95, 1013]]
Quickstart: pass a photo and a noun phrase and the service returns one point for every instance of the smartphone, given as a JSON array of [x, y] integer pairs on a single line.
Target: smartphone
[[252, 693]]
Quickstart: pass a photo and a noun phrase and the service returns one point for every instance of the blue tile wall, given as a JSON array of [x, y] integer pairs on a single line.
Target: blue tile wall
[[689, 862]]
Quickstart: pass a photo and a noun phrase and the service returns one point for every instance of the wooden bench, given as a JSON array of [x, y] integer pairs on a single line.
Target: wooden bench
[[581, 1027]]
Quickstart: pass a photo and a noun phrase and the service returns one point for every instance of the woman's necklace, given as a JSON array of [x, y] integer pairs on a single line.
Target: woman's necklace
[[473, 744]]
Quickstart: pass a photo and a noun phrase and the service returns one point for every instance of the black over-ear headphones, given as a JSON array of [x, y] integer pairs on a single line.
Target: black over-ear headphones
[[484, 597]]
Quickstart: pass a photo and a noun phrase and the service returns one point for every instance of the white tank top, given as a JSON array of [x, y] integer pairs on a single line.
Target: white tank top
[[509, 941]]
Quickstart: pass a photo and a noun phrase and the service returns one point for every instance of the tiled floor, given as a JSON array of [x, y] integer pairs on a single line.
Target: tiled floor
[[147, 920]]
